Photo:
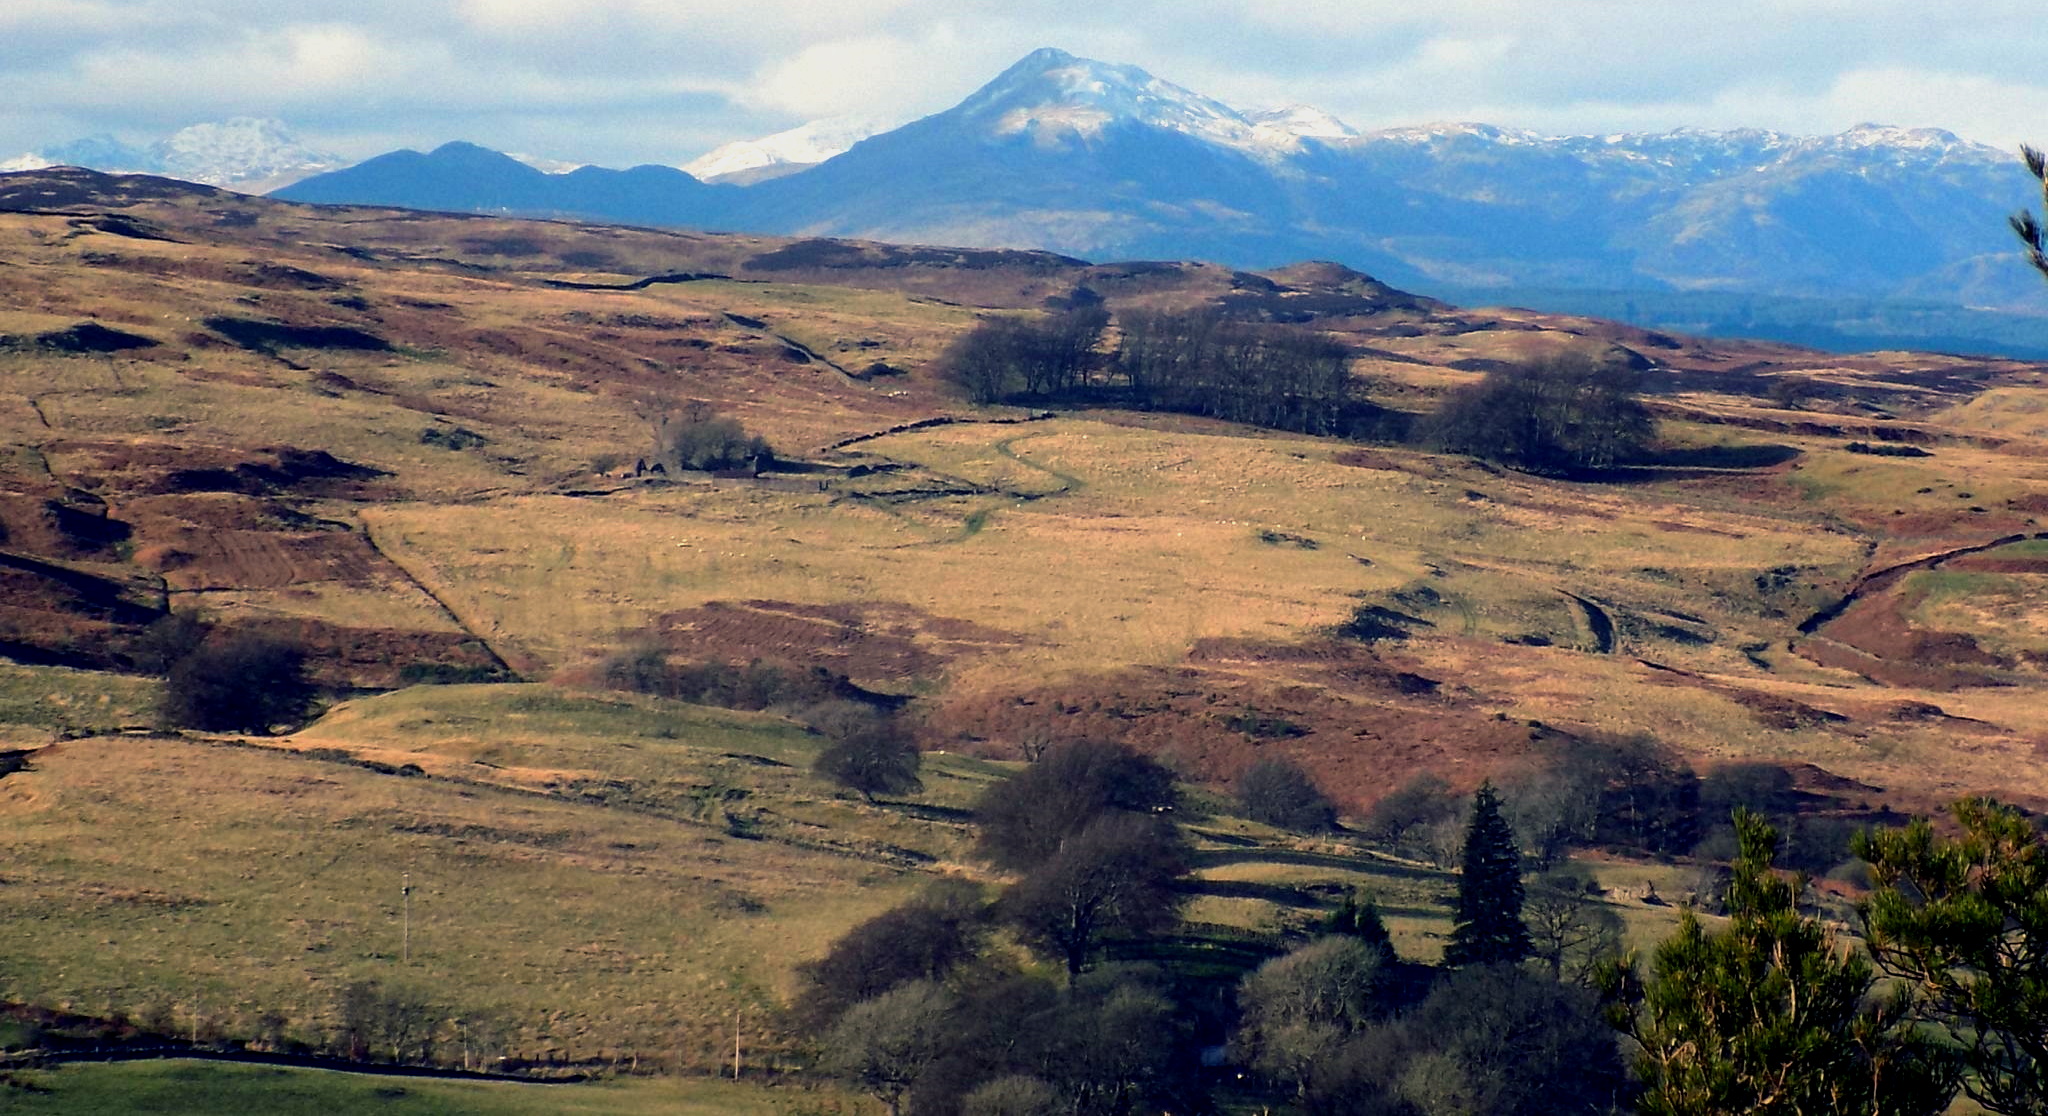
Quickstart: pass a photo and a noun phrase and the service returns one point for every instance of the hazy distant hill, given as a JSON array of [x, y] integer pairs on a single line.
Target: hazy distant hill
[[1107, 161], [463, 178]]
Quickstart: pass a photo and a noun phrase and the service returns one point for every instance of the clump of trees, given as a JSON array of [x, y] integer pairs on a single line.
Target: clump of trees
[[1496, 1039], [237, 683], [1563, 413], [1528, 1014], [1006, 357], [1201, 362], [1194, 362], [1281, 793], [698, 438], [913, 1008], [648, 669]]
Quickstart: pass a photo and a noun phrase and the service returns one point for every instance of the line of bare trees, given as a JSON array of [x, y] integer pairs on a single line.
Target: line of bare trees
[[1193, 362]]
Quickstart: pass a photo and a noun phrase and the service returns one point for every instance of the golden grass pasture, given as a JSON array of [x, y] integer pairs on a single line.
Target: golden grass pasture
[[1108, 545], [239, 879]]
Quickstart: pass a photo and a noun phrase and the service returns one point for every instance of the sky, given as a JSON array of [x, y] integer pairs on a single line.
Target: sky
[[620, 82]]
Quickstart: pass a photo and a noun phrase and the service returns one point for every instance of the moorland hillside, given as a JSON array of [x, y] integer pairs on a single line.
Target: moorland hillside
[[421, 448]]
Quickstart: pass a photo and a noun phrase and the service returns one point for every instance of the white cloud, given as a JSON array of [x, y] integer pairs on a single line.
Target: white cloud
[[1987, 109], [556, 75]]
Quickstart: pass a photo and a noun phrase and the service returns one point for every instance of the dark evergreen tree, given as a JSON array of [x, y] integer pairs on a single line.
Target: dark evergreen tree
[[1489, 927], [1359, 917]]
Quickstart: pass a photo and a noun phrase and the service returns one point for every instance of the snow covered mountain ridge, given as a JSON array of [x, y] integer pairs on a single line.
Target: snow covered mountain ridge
[[785, 152], [250, 153]]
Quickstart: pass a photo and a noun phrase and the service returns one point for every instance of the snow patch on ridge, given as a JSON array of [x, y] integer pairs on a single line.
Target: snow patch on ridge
[[804, 145]]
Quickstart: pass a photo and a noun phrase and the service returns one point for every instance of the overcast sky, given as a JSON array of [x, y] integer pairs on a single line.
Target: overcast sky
[[633, 81]]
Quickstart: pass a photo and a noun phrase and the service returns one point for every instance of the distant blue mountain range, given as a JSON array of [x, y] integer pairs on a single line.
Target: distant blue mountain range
[[1107, 162]]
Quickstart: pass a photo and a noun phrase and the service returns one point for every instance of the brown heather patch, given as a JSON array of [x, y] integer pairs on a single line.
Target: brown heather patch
[[890, 645]]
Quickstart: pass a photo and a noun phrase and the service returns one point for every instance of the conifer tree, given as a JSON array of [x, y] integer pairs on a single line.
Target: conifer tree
[[1489, 927], [1772, 1016], [2032, 233], [1964, 922], [1359, 917]]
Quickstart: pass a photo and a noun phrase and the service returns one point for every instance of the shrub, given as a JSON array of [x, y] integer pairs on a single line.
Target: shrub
[[700, 439]]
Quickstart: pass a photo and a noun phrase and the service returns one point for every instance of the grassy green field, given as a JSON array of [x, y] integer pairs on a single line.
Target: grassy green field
[[36, 701], [188, 1088]]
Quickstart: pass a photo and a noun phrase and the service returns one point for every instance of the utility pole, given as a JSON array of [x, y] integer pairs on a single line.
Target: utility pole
[[736, 1043], [405, 948]]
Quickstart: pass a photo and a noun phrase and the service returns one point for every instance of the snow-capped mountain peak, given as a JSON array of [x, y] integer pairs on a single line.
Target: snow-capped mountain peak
[[1051, 95], [786, 151], [239, 150], [246, 152]]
